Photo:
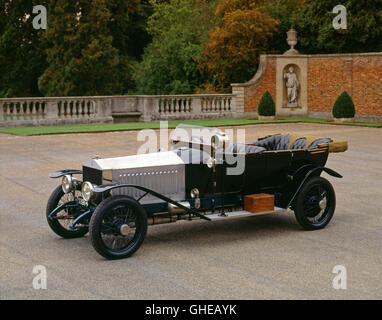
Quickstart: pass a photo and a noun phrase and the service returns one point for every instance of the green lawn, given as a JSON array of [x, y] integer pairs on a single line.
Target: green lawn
[[85, 128]]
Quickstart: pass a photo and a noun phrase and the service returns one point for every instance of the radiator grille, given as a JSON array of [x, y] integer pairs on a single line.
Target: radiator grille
[[92, 175]]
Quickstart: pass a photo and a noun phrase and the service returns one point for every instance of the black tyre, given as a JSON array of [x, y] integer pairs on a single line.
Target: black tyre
[[60, 225], [315, 204], [118, 227]]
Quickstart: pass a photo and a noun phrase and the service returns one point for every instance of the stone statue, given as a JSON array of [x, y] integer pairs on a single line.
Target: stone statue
[[292, 86]]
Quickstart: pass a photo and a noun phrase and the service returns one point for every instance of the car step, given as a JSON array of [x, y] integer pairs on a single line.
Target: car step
[[242, 213]]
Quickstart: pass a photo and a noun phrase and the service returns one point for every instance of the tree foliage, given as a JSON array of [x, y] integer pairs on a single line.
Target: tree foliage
[[243, 32], [82, 60], [101, 47], [363, 33], [344, 106], [178, 29], [22, 49]]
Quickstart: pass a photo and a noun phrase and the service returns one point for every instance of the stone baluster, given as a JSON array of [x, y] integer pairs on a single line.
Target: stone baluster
[[74, 109], [37, 110], [78, 109], [15, 112], [183, 106], [205, 104], [12, 110], [166, 106], [29, 110], [92, 106], [2, 113], [83, 109], [5, 109], [171, 105], [88, 109], [22, 112], [177, 107], [25, 109]]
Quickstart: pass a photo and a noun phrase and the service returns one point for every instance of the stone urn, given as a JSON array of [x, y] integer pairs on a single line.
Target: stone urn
[[292, 41]]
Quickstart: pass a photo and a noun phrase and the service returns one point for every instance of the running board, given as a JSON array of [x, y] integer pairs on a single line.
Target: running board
[[242, 214]]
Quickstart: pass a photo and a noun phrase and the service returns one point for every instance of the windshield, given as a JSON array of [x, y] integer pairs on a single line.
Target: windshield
[[195, 136]]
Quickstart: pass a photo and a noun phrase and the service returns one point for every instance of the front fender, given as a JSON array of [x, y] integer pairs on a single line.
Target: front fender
[[60, 173], [108, 187]]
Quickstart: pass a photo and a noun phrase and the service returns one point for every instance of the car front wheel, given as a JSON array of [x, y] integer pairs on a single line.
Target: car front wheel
[[315, 204], [60, 224], [118, 227]]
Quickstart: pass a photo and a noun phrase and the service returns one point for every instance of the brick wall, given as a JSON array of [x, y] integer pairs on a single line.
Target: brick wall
[[328, 76], [359, 75], [253, 93]]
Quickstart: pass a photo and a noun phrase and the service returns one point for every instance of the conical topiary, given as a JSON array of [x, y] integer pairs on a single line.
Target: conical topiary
[[344, 106], [266, 105]]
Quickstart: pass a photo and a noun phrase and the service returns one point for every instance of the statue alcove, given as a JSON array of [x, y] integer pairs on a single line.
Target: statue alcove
[[287, 71]]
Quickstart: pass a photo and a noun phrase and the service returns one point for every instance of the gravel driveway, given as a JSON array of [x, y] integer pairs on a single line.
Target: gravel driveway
[[264, 257]]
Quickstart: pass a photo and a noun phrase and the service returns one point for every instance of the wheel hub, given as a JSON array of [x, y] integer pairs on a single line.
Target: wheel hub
[[124, 229], [322, 204]]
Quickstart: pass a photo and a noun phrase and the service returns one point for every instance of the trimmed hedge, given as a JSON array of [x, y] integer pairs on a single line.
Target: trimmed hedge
[[266, 105], [344, 106]]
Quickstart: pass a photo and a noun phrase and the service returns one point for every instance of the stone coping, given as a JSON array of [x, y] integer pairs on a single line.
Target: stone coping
[[319, 55], [117, 96]]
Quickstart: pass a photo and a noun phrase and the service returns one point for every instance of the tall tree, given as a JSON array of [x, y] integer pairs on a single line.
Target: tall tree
[[179, 29], [128, 26], [232, 51], [22, 56], [82, 59], [363, 33]]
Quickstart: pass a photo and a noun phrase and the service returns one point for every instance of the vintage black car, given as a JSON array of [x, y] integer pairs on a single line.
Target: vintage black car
[[199, 178]]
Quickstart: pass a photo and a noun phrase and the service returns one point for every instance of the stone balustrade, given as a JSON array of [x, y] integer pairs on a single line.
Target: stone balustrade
[[15, 112], [182, 107]]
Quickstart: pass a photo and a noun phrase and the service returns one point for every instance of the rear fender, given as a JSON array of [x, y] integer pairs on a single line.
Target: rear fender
[[296, 180], [315, 171]]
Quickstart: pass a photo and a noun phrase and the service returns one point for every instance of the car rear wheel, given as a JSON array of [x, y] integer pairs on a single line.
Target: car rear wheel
[[60, 224], [315, 204], [118, 227]]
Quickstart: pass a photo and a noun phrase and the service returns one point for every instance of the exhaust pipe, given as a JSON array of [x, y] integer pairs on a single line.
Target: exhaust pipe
[[174, 214]]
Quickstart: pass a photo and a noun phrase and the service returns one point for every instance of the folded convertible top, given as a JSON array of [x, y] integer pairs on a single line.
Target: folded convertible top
[[299, 141], [335, 145]]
